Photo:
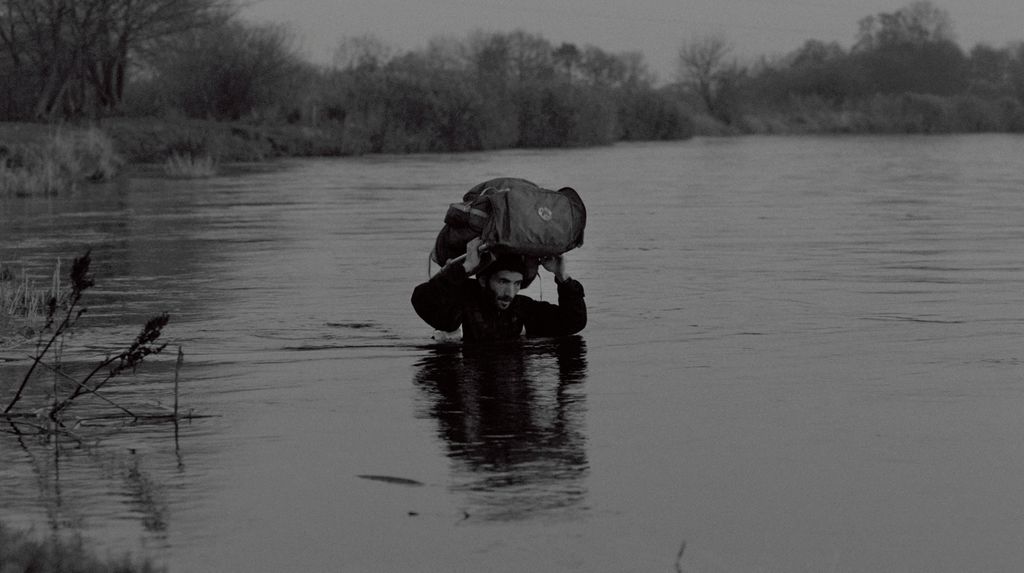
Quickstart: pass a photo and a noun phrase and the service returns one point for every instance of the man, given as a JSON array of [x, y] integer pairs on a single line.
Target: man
[[490, 307]]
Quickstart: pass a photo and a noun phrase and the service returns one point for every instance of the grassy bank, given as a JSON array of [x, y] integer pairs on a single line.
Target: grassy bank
[[881, 114], [21, 551], [44, 159], [157, 141]]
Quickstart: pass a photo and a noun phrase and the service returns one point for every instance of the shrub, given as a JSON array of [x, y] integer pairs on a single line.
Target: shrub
[[155, 141], [59, 164], [190, 166], [557, 115], [95, 156], [1012, 114], [975, 114], [922, 113], [38, 179], [231, 71], [706, 125], [653, 115]]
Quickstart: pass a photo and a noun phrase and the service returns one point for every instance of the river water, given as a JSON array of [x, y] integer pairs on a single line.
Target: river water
[[803, 354]]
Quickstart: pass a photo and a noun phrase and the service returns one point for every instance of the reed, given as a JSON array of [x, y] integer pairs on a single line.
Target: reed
[[189, 166], [59, 163], [95, 156], [21, 298], [59, 321], [42, 178]]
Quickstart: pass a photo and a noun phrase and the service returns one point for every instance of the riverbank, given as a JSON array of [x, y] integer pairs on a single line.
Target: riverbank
[[895, 114], [152, 140], [49, 159], [148, 142], [46, 158]]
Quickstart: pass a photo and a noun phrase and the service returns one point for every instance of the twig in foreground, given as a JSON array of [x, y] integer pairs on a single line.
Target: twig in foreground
[[89, 390]]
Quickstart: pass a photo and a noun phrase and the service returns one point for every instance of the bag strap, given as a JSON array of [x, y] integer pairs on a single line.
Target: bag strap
[[470, 210]]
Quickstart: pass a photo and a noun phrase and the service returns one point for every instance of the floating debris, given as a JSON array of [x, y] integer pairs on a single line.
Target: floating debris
[[391, 479]]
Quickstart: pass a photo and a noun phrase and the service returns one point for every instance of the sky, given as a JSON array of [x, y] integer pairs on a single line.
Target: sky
[[656, 28]]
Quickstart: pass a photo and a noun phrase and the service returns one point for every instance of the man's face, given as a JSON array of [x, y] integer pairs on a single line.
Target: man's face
[[503, 287]]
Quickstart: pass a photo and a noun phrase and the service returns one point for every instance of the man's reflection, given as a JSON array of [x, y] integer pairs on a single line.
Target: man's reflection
[[512, 419]]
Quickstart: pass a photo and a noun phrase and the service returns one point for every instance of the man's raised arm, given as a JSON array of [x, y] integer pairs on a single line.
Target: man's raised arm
[[439, 301]]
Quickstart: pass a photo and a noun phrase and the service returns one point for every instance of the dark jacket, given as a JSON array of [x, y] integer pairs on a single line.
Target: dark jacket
[[451, 299]]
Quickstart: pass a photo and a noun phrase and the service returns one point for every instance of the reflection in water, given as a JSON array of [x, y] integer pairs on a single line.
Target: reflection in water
[[77, 481], [512, 419]]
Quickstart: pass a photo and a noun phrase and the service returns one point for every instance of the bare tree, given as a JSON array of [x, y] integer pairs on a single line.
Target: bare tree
[[447, 53], [635, 70], [567, 59], [530, 56], [363, 52], [78, 52], [601, 68], [703, 68], [490, 53], [916, 24], [232, 70], [126, 28]]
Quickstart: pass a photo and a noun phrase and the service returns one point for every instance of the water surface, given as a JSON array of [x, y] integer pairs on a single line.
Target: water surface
[[803, 354]]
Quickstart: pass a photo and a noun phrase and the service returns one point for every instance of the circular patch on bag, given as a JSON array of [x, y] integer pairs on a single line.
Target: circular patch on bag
[[544, 213]]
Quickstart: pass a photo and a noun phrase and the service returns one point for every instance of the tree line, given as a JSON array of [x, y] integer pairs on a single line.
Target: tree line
[[78, 59], [62, 58], [489, 91], [905, 72], [75, 59]]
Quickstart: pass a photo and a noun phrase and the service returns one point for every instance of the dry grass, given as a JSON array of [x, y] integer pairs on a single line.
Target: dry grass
[[20, 297], [60, 319], [190, 166], [40, 177], [57, 163], [23, 304]]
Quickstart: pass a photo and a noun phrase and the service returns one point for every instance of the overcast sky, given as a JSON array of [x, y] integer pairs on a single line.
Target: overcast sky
[[654, 27]]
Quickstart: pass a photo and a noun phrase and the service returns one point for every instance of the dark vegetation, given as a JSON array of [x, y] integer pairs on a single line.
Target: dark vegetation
[[22, 551], [63, 400], [197, 65], [905, 73], [191, 79], [49, 403]]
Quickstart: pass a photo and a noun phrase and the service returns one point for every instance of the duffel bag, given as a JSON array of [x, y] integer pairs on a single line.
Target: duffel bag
[[515, 216], [535, 222]]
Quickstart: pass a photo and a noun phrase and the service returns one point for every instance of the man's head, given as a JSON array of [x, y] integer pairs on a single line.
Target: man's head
[[502, 279]]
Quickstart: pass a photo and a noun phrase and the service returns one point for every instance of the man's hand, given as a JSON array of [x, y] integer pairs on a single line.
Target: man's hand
[[473, 259], [557, 267]]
